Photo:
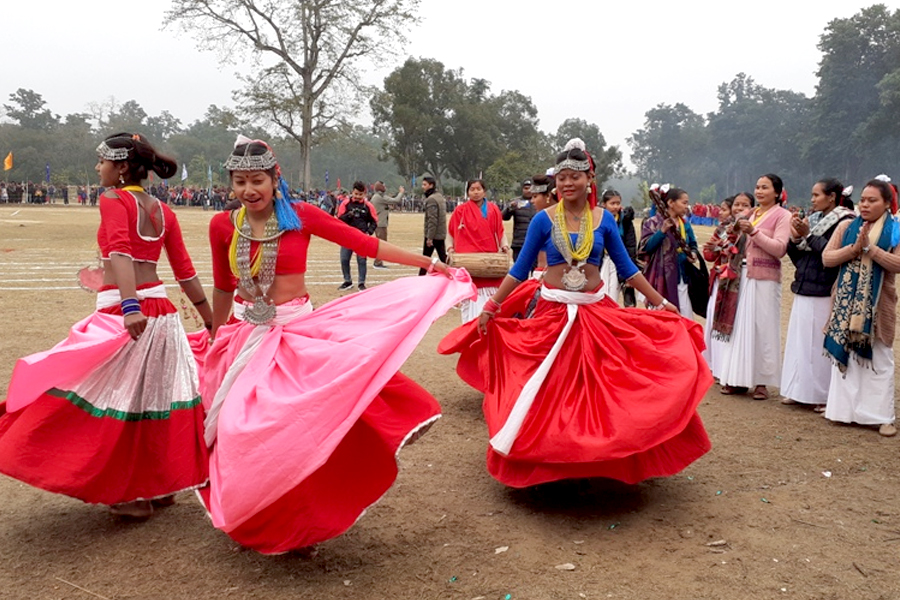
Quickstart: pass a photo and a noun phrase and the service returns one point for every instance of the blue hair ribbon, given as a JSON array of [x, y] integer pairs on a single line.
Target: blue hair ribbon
[[288, 220]]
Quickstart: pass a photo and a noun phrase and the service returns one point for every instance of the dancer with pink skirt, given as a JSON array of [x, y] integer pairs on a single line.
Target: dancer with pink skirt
[[306, 409], [112, 414]]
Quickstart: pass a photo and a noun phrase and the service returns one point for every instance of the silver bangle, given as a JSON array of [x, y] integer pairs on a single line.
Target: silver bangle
[[434, 261]]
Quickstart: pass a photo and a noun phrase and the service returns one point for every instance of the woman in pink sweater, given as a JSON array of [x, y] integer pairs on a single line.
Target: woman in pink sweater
[[752, 355]]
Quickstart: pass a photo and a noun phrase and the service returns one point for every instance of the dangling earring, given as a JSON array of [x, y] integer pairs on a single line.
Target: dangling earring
[[121, 180]]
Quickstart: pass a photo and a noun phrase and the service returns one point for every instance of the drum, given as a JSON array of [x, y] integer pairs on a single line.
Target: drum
[[482, 264]]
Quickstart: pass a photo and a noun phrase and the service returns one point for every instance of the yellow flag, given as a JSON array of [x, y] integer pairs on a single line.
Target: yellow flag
[[7, 162]]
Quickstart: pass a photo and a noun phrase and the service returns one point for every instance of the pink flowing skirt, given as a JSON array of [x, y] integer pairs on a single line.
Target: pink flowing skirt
[[307, 434]]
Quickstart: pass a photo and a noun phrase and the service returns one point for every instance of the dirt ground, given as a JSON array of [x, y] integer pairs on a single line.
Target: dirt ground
[[786, 505]]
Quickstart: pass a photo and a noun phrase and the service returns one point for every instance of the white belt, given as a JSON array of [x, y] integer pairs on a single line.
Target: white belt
[[503, 441], [113, 297]]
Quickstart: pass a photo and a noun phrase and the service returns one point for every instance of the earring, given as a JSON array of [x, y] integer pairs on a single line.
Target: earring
[[121, 180]]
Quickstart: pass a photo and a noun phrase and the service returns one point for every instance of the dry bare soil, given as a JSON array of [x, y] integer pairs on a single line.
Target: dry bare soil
[[786, 505]]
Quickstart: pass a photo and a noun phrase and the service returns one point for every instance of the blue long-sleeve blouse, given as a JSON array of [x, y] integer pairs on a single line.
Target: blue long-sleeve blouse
[[539, 237]]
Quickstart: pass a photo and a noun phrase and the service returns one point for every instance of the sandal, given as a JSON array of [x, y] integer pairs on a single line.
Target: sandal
[[731, 391], [788, 401], [887, 430], [138, 510], [819, 408], [760, 393], [164, 501]]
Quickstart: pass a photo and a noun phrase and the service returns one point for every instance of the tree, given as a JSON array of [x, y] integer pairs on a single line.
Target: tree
[[412, 111], [27, 109], [129, 117], [858, 54], [667, 148], [317, 46], [608, 161]]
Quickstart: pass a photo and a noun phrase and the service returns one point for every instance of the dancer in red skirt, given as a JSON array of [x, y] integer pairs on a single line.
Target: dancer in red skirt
[[112, 414], [583, 388], [307, 409]]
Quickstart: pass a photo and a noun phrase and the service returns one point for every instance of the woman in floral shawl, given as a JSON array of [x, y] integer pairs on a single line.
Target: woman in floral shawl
[[860, 332], [667, 243], [726, 250]]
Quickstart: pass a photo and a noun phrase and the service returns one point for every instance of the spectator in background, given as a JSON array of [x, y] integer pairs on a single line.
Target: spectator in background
[[521, 211], [383, 205], [435, 221], [357, 212]]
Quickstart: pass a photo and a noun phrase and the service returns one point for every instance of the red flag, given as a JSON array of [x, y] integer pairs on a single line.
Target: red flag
[[339, 183]]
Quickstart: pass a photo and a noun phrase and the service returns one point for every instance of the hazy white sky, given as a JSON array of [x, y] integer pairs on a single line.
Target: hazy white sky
[[607, 62]]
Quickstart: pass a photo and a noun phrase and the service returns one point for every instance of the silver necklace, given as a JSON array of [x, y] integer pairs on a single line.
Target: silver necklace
[[262, 310], [574, 279]]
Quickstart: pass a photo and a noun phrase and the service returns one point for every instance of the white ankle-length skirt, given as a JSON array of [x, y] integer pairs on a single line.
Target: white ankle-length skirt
[[753, 354], [865, 393], [806, 372]]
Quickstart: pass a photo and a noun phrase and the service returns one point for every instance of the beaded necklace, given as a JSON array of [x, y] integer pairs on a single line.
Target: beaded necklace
[[575, 255]]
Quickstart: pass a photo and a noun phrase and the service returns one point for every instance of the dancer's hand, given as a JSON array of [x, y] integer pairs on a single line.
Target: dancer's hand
[[442, 268], [135, 323], [483, 319]]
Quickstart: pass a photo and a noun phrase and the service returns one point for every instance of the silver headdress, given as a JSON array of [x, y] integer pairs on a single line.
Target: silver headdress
[[249, 162], [107, 153], [539, 189], [571, 163]]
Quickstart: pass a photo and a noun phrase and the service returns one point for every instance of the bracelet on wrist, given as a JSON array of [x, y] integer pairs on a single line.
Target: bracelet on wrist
[[130, 306], [491, 306], [434, 260]]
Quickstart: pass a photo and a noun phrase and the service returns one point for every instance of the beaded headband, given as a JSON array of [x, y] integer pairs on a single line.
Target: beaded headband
[[107, 153], [574, 165], [249, 162], [539, 189]]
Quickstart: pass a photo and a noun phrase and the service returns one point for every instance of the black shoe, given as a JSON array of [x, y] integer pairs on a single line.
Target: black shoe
[[380, 266], [345, 286], [362, 286]]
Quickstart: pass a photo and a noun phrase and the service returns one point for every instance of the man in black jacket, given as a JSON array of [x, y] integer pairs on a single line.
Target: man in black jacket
[[521, 211], [357, 212]]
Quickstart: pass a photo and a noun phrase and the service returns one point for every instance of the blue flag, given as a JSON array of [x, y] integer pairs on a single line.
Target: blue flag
[[47, 172]]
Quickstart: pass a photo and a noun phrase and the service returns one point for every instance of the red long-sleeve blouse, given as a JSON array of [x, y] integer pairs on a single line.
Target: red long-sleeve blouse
[[119, 234], [293, 246]]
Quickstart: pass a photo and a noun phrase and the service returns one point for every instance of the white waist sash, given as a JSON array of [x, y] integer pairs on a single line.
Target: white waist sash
[[113, 297], [502, 442], [284, 314]]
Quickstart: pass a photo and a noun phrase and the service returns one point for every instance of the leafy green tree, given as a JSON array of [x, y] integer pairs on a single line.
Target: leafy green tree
[[412, 113], [27, 109], [608, 160], [667, 148], [858, 54]]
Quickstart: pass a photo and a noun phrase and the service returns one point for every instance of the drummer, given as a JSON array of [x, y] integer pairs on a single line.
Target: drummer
[[477, 226]]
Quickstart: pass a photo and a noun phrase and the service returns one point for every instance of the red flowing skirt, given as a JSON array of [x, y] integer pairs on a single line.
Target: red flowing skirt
[[620, 400], [61, 442]]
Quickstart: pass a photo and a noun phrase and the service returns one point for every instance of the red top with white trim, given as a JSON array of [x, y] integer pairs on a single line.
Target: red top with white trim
[[293, 246], [119, 234]]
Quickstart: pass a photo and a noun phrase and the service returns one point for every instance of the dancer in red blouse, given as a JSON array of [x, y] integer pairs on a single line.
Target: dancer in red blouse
[[112, 414], [477, 226], [306, 409]]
